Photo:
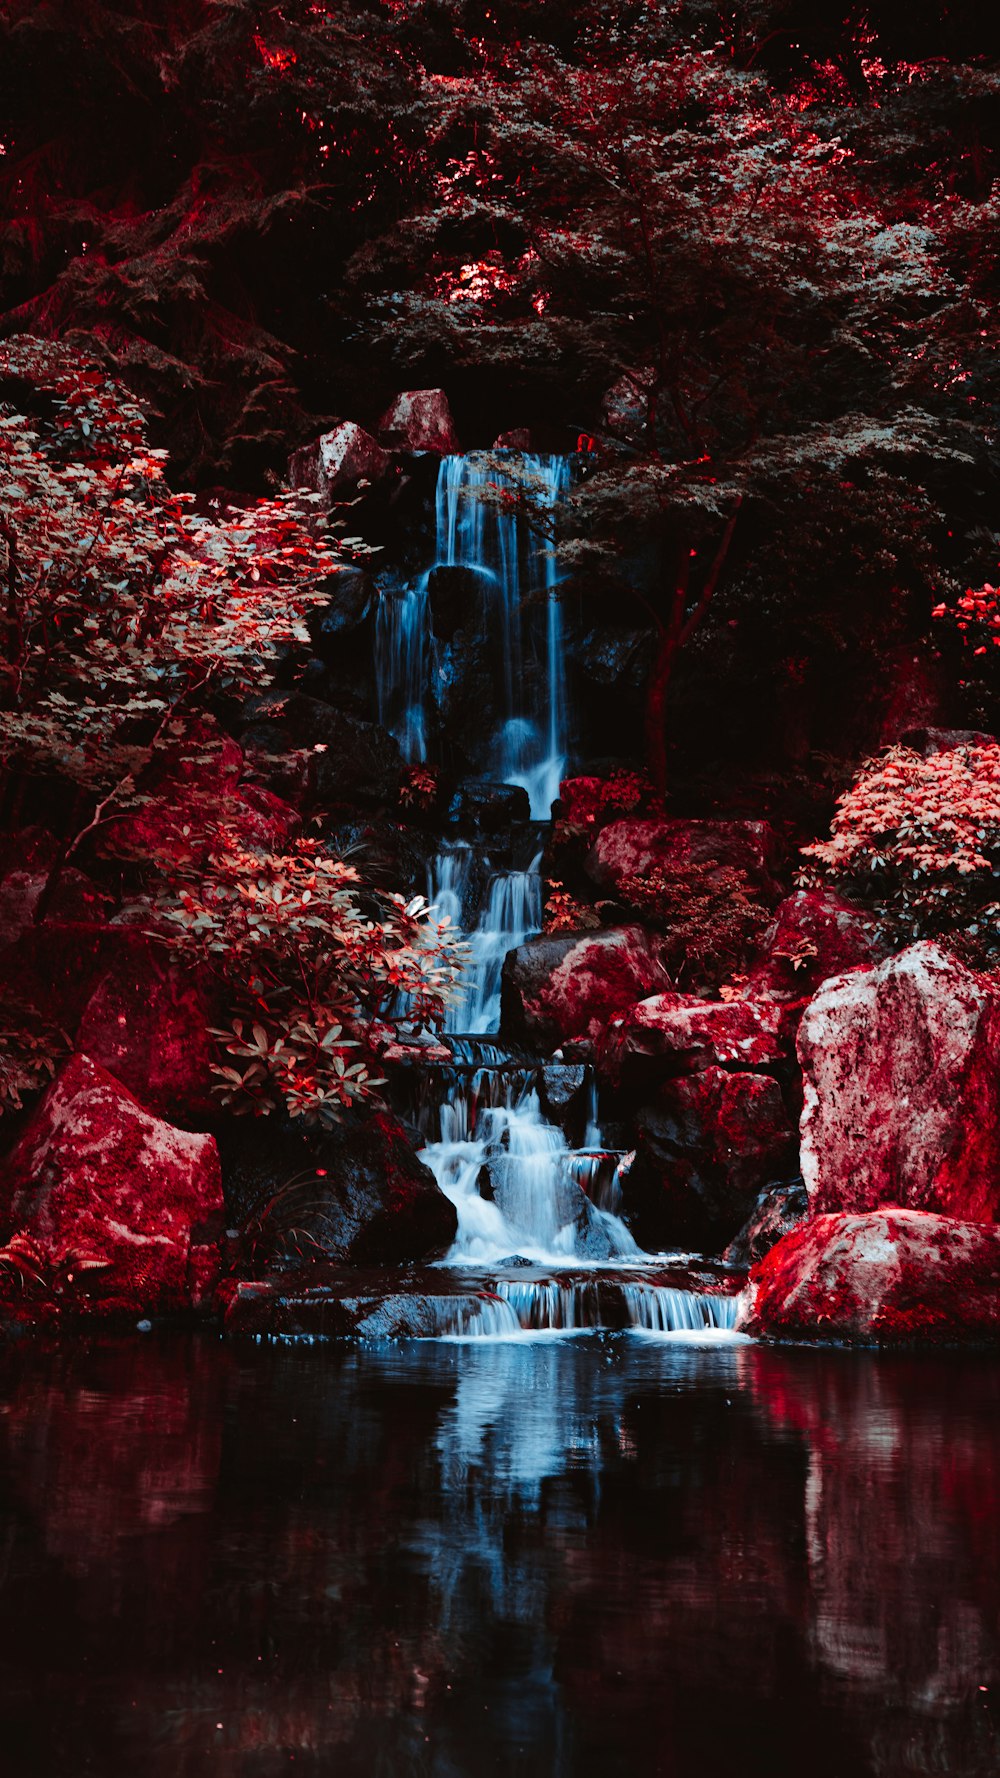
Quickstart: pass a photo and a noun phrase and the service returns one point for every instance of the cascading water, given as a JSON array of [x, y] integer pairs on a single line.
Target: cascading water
[[524, 1198], [514, 563], [512, 912]]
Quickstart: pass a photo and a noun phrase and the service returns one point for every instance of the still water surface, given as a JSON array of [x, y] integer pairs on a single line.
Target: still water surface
[[551, 1558]]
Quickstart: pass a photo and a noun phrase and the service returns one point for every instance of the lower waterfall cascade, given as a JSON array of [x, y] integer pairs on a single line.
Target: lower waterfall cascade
[[538, 1221]]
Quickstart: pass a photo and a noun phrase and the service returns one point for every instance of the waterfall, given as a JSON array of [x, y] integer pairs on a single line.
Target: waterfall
[[514, 564], [511, 912], [511, 1178], [402, 647]]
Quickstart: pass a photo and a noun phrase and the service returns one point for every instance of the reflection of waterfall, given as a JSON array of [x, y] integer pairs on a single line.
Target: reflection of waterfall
[[514, 563]]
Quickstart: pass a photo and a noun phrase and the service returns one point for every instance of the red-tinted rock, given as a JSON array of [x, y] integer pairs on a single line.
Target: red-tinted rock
[[340, 459], [888, 1278], [630, 848], [26, 862], [55, 967], [420, 420], [681, 1034], [555, 989], [123, 1210], [706, 1148], [148, 1025], [813, 935], [930, 741], [901, 1076]]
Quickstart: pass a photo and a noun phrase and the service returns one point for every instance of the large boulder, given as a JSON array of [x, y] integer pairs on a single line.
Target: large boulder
[[679, 1034], [779, 1209], [889, 1278], [706, 1148], [343, 458], [560, 989], [357, 1193], [148, 1025], [631, 849], [420, 420], [813, 935], [123, 1213], [901, 1078]]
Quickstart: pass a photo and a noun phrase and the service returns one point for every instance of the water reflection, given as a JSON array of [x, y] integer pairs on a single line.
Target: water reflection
[[556, 1558]]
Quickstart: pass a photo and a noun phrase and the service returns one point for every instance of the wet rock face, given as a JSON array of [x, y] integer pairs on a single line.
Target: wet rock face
[[357, 1193], [706, 1148], [901, 1074], [561, 989], [890, 1277], [419, 420], [481, 806], [778, 1210], [120, 1199]]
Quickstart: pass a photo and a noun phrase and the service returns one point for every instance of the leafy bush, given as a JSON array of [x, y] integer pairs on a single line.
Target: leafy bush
[[920, 838], [309, 958]]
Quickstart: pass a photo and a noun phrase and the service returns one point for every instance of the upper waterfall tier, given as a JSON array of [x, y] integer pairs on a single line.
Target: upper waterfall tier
[[478, 527]]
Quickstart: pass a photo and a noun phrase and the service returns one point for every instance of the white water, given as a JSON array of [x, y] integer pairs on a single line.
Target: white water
[[512, 1309], [514, 563], [512, 912], [520, 1192]]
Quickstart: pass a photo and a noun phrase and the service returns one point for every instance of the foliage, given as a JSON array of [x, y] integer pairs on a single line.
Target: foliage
[[588, 804], [123, 601], [708, 911], [976, 617], [563, 913], [30, 1047], [420, 788], [309, 958], [920, 838]]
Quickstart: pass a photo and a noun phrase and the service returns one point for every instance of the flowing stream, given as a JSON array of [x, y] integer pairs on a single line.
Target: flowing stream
[[525, 1196]]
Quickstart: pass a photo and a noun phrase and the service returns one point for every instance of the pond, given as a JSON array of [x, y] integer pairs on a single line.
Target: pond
[[552, 1556]]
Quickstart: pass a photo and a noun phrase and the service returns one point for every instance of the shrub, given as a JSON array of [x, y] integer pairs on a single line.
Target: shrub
[[920, 838], [308, 957]]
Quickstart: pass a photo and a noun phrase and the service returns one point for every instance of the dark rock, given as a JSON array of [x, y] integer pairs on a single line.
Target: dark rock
[[347, 611], [357, 1193], [557, 989], [615, 660], [456, 596], [387, 855], [888, 1278], [561, 1084], [352, 760], [929, 741], [482, 806], [779, 1209], [705, 1149]]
